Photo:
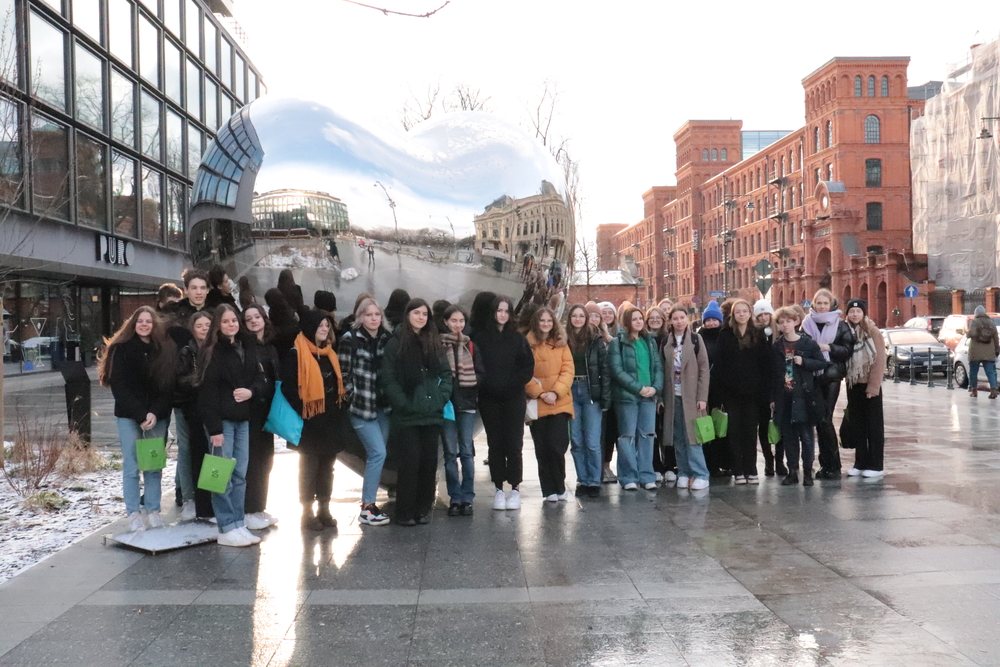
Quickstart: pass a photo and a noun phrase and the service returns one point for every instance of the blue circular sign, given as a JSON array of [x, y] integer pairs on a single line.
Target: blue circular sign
[[910, 291]]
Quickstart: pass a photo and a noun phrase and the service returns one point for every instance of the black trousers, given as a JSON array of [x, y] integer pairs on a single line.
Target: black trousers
[[717, 455], [503, 421], [826, 434], [609, 437], [316, 474], [777, 456], [866, 428], [551, 437], [664, 457], [258, 468], [742, 434], [199, 447], [417, 448]]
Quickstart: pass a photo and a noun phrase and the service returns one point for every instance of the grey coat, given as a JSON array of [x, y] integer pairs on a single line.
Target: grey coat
[[694, 385]]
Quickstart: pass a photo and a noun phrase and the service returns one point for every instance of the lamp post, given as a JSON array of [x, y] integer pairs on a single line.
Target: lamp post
[[985, 133], [728, 237], [392, 205]]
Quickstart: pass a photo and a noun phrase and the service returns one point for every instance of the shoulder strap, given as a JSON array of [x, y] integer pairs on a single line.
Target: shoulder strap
[[696, 340]]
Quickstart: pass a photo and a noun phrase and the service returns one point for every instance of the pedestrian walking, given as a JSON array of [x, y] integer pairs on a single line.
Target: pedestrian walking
[[591, 397], [798, 403], [261, 450], [774, 460], [864, 419], [636, 380], [231, 378], [505, 365], [984, 348], [685, 359], [825, 326], [458, 432], [360, 352], [417, 381], [551, 385], [139, 364]]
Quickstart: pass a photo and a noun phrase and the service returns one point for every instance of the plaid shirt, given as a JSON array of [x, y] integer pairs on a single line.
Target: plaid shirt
[[360, 357]]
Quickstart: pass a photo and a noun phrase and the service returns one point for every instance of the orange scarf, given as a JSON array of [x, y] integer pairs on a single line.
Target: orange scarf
[[311, 389]]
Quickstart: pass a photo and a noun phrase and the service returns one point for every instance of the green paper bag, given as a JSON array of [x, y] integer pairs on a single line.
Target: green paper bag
[[773, 433], [720, 420], [704, 430], [152, 453], [215, 473]]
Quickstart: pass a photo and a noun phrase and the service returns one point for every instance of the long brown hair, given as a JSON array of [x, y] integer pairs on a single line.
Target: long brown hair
[[164, 363], [556, 337], [214, 334], [626, 321], [752, 335], [579, 339]]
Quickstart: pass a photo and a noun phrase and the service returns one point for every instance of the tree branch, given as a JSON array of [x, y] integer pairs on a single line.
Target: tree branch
[[392, 11]]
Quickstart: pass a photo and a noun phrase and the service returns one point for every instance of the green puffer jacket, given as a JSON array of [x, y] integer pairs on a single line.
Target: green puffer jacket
[[622, 365], [424, 406]]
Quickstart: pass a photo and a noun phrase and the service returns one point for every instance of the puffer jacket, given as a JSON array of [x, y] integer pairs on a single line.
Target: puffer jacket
[[623, 368], [554, 370], [983, 351], [424, 406], [598, 375]]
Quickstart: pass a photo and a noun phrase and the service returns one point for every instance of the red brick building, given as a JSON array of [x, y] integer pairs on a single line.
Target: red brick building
[[828, 205]]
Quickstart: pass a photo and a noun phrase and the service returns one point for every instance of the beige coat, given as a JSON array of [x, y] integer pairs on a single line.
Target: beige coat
[[694, 385], [877, 371]]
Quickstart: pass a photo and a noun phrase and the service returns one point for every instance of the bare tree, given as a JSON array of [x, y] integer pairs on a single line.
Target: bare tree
[[586, 259], [418, 109], [465, 98], [387, 11], [541, 117]]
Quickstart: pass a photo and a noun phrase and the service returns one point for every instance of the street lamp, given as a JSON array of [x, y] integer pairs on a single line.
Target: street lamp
[[985, 133], [392, 205]]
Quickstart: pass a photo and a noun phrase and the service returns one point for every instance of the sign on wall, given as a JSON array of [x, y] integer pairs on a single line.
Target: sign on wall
[[113, 250]]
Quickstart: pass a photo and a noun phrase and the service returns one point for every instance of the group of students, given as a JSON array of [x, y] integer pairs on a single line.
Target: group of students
[[418, 376]]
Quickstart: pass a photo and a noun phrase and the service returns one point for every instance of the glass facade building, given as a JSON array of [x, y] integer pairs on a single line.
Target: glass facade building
[[756, 140], [106, 107], [300, 209]]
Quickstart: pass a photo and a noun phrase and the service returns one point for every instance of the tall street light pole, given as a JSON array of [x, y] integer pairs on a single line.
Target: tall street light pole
[[392, 205]]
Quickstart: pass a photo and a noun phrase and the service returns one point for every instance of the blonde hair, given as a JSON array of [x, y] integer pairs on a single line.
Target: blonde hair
[[787, 313], [822, 291]]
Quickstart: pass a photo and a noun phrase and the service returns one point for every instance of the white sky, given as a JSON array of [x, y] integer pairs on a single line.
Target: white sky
[[629, 72]]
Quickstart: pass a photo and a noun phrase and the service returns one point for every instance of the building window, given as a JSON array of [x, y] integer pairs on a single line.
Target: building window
[[149, 112], [829, 171], [120, 30], [11, 164], [715, 154], [152, 211], [885, 86], [89, 86], [91, 192], [50, 172], [725, 155], [829, 133], [857, 86], [816, 173], [176, 207], [122, 109], [192, 31], [874, 216], [149, 51], [173, 64], [48, 56], [704, 155], [873, 130], [815, 140], [873, 173], [871, 86]]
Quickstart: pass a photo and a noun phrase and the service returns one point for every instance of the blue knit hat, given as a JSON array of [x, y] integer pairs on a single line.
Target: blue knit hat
[[712, 312]]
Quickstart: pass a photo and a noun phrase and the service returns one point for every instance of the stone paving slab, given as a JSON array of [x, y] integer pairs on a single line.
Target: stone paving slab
[[899, 571]]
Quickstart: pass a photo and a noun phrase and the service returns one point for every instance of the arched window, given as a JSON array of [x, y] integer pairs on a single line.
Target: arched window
[[715, 154], [857, 86], [704, 155], [829, 171], [829, 133], [781, 166], [871, 86], [885, 86], [873, 130], [725, 155], [815, 140]]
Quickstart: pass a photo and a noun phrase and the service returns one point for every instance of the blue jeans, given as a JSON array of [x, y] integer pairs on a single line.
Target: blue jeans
[[128, 433], [185, 474], [690, 458], [636, 430], [585, 435], [373, 435], [457, 437], [991, 373], [228, 506]]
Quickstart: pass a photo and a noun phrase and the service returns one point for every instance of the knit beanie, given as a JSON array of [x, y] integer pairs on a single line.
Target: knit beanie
[[980, 310], [324, 300], [712, 312], [592, 307], [762, 306], [309, 322], [863, 305], [607, 304]]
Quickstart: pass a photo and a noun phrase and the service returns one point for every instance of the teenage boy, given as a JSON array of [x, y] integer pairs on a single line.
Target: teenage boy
[[796, 402]]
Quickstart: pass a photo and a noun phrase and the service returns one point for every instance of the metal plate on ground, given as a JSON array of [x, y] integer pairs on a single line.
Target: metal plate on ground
[[168, 538]]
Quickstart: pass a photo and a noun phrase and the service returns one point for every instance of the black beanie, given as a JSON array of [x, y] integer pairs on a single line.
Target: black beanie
[[325, 300], [858, 303], [309, 322]]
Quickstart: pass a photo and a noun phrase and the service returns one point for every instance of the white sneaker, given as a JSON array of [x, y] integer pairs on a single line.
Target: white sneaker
[[853, 472], [514, 500], [246, 533], [234, 538], [753, 479], [500, 500], [872, 473], [135, 522], [741, 479], [563, 496], [682, 482], [188, 512], [256, 521], [154, 519], [552, 498], [270, 518], [650, 487], [659, 477], [670, 476], [698, 484], [631, 486]]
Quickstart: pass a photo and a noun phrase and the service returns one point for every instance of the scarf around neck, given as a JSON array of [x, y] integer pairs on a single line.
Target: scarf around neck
[[311, 389], [830, 322], [460, 358], [863, 355]]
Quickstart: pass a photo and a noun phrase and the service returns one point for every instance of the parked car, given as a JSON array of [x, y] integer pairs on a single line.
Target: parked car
[[930, 323], [927, 352], [955, 326], [961, 369]]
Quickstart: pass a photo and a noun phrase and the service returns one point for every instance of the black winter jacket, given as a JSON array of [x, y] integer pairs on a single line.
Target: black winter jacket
[[504, 363], [267, 357], [322, 432], [186, 387], [227, 371], [216, 298], [807, 402], [744, 372], [841, 350], [711, 339], [137, 393], [598, 375]]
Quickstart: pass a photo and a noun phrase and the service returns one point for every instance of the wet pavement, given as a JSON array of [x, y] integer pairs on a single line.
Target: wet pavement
[[900, 571]]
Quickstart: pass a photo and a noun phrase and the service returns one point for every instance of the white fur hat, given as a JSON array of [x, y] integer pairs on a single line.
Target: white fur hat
[[762, 306]]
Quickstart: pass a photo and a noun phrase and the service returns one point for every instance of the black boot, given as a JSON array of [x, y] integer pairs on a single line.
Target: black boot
[[781, 470], [324, 516], [791, 479], [807, 477], [310, 520]]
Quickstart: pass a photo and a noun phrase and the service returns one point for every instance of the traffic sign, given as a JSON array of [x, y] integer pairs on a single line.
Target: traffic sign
[[807, 304], [910, 291], [717, 295]]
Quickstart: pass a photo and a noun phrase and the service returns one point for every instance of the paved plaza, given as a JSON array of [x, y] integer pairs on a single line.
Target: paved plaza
[[902, 571]]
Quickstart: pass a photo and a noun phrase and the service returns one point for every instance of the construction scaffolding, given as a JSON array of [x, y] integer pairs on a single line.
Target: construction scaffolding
[[956, 202]]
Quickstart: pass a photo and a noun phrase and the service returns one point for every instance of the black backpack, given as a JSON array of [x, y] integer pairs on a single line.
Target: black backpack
[[983, 333]]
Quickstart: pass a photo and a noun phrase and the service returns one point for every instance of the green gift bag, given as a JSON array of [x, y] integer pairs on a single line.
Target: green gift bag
[[215, 473], [152, 453], [773, 433], [720, 420], [704, 430]]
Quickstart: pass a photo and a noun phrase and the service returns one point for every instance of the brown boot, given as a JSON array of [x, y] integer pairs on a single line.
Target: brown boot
[[974, 392], [310, 520], [994, 392], [324, 516]]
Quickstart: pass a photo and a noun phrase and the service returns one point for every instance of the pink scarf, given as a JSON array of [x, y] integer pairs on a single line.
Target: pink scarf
[[830, 320]]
